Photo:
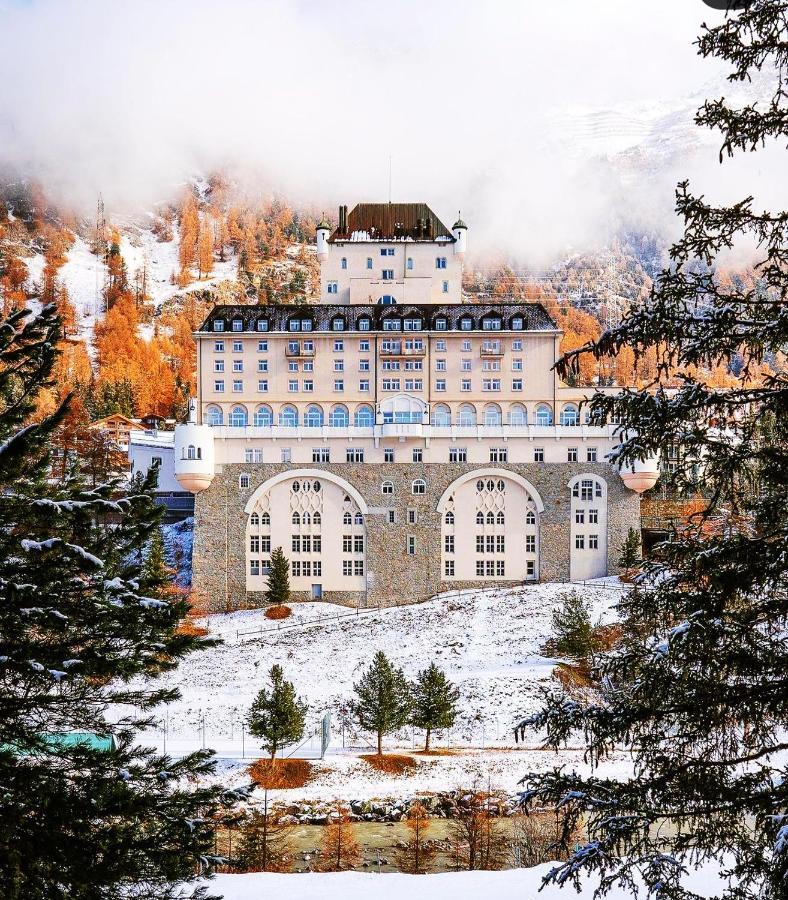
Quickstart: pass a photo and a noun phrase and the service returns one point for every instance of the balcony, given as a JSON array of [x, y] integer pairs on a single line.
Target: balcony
[[401, 349], [491, 348], [293, 351]]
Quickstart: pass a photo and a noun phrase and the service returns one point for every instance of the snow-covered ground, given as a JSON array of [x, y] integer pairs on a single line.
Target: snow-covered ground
[[488, 642], [523, 884]]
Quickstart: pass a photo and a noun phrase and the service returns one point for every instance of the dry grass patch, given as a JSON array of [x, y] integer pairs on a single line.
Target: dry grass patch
[[278, 612], [439, 751], [573, 676], [281, 774], [390, 763], [188, 627]]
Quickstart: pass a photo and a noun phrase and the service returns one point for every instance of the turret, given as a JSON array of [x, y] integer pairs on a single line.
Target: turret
[[641, 475], [323, 231], [194, 454], [460, 231]]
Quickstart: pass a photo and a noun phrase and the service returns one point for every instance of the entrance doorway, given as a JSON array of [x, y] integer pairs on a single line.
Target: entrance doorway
[[317, 591]]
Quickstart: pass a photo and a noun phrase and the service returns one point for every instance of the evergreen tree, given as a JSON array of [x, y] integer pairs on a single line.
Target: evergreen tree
[[81, 821], [573, 634], [156, 574], [278, 590], [434, 702], [630, 551], [277, 716], [697, 689], [383, 699]]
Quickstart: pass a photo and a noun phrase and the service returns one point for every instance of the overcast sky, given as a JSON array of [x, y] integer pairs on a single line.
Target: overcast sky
[[311, 98]]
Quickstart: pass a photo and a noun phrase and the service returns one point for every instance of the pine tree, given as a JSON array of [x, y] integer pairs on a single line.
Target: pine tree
[[416, 855], [696, 692], [434, 702], [277, 717], [573, 634], [278, 591], [78, 820], [630, 551], [383, 699], [156, 575], [339, 850]]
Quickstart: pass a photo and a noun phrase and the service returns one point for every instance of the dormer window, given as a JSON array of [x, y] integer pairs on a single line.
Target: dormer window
[[262, 324], [392, 325], [306, 324], [338, 324], [413, 324], [218, 325], [294, 325], [238, 324], [466, 323], [363, 324], [441, 323], [491, 324], [517, 323]]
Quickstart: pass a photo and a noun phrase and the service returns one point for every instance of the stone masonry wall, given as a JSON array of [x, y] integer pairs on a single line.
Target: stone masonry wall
[[220, 524]]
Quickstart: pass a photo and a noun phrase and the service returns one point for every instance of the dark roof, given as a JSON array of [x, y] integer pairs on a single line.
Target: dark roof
[[535, 317], [394, 221]]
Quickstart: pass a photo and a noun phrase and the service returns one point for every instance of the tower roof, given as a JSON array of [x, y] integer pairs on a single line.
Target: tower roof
[[393, 222], [323, 223]]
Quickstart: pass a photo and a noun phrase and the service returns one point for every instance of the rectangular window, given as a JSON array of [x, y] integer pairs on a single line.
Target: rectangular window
[[440, 344], [238, 325], [517, 384], [418, 455], [491, 365], [292, 386], [480, 543], [414, 365], [491, 384], [339, 385], [218, 365], [296, 543], [218, 386], [309, 386], [254, 565], [344, 262], [413, 324], [480, 567], [538, 454], [517, 345], [358, 567], [309, 346], [218, 346], [440, 262], [332, 288], [292, 366], [354, 455], [387, 275], [448, 567], [391, 384], [262, 365], [339, 365], [593, 542], [390, 365], [392, 518], [440, 384], [571, 454], [489, 543], [266, 543], [489, 567], [358, 543], [317, 544], [347, 567], [590, 454], [580, 542], [238, 347], [238, 365], [363, 346], [363, 365], [530, 568], [440, 365], [458, 454], [287, 455], [347, 543], [369, 262], [388, 454], [363, 385], [339, 346], [517, 365], [500, 568], [387, 251], [321, 455], [445, 287], [530, 543], [466, 365], [414, 384], [499, 454], [412, 516], [500, 543], [262, 386], [411, 545], [580, 516], [410, 263], [306, 543], [448, 543], [466, 346], [593, 516], [465, 384], [218, 325], [254, 543], [296, 567]]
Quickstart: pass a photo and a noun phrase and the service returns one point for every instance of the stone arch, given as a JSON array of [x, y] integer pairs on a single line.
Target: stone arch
[[492, 473], [292, 474]]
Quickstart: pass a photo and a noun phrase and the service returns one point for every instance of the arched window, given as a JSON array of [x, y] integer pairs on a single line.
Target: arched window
[[364, 417], [344, 262], [587, 489], [191, 453], [480, 518], [387, 487], [316, 519], [570, 414], [500, 519], [492, 414], [338, 417], [530, 517], [254, 519], [387, 300], [239, 418], [288, 416], [243, 481], [214, 415], [263, 417], [467, 415], [359, 519], [306, 519], [403, 408], [296, 518], [490, 518], [265, 519], [544, 415], [441, 415], [313, 417], [347, 519], [419, 486], [518, 414], [449, 518]]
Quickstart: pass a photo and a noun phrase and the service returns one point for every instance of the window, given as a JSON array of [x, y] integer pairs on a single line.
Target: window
[[338, 417], [238, 365], [218, 325], [410, 263], [491, 384], [391, 325], [156, 460], [530, 543], [238, 386], [338, 324], [466, 345], [332, 288], [253, 456], [238, 325], [391, 384], [218, 365], [466, 324], [538, 454], [445, 287], [387, 275], [387, 487], [354, 455], [449, 518], [239, 417], [363, 385], [517, 365], [587, 489], [458, 454], [411, 545], [517, 345], [243, 481], [262, 386], [414, 384], [321, 455], [466, 365], [358, 566], [254, 566], [580, 542], [440, 344], [218, 386], [286, 455], [544, 415], [339, 385], [413, 324], [292, 385], [440, 262], [491, 324], [344, 262], [591, 454], [238, 347], [480, 567], [262, 325], [570, 415], [364, 417], [418, 455], [387, 251], [412, 517], [218, 346], [363, 365], [500, 568], [500, 519], [309, 386], [580, 517], [593, 541], [262, 365], [388, 454], [363, 346], [491, 365], [448, 543], [363, 324], [448, 567], [499, 454], [593, 516], [465, 384], [215, 415], [571, 454], [419, 486], [254, 543], [392, 518], [517, 384], [358, 543], [347, 567]]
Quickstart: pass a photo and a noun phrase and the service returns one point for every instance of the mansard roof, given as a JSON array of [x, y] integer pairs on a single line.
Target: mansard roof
[[392, 222], [277, 316]]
